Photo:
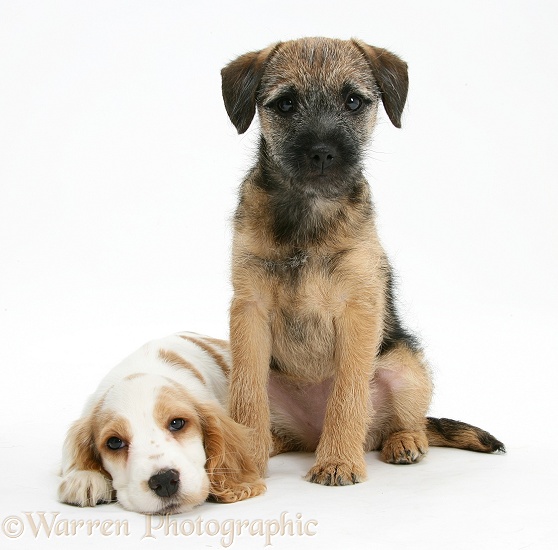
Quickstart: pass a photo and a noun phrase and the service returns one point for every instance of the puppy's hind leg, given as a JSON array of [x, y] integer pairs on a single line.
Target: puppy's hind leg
[[403, 375]]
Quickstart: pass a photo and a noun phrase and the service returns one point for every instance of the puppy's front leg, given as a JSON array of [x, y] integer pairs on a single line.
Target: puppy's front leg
[[340, 452], [251, 353]]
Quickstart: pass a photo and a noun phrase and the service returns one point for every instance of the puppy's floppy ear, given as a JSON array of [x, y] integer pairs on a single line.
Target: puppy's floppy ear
[[79, 448], [392, 77], [84, 480], [240, 81], [232, 473]]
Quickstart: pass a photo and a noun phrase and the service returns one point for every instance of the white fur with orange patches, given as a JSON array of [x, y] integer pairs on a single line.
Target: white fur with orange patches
[[152, 447], [136, 403]]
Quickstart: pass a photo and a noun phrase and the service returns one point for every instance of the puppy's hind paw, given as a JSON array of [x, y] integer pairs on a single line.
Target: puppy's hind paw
[[405, 447], [85, 488]]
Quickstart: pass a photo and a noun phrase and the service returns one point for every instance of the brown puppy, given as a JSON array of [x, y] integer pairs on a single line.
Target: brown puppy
[[314, 331]]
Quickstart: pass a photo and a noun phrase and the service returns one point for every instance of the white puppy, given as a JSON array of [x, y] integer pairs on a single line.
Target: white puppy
[[155, 435]]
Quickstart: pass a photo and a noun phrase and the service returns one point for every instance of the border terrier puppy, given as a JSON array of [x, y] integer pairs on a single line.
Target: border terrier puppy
[[320, 359]]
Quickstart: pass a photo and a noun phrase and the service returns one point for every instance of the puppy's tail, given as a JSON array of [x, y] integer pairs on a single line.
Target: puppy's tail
[[443, 432]]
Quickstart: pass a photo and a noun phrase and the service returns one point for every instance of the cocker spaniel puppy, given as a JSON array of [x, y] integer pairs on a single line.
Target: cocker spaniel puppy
[[155, 435]]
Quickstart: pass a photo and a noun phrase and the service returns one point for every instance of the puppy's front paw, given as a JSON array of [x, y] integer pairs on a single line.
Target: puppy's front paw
[[337, 473], [405, 447], [242, 491], [85, 488]]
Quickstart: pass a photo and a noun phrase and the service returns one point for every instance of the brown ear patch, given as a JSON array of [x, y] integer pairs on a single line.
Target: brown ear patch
[[240, 81], [232, 473], [392, 77], [80, 443]]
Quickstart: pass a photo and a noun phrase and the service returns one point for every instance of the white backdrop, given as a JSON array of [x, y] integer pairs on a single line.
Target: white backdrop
[[118, 174]]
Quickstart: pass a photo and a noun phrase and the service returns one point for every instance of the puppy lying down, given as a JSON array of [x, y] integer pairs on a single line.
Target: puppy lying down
[[155, 435]]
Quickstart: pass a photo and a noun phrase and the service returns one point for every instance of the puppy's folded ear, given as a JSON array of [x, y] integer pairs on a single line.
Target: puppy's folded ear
[[232, 473], [240, 81], [392, 77], [84, 480]]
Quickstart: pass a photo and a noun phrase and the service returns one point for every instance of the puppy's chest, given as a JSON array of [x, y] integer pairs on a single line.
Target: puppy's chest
[[290, 268], [306, 298], [303, 281]]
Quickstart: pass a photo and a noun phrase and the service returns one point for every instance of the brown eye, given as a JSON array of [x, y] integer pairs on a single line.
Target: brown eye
[[177, 424], [353, 102], [115, 443], [285, 105]]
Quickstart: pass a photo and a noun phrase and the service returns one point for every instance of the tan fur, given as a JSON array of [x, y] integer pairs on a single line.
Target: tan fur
[[222, 344], [173, 358], [207, 345], [105, 425], [174, 402], [316, 302], [396, 415], [134, 376], [232, 473]]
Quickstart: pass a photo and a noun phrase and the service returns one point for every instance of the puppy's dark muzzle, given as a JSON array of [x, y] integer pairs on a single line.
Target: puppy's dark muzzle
[[322, 156], [164, 484]]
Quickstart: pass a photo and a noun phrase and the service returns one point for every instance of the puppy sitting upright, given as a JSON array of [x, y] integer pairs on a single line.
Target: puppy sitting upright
[[313, 319]]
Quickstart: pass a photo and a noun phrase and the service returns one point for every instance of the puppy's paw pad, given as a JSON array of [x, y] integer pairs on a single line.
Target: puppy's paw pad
[[405, 448], [85, 488], [337, 474]]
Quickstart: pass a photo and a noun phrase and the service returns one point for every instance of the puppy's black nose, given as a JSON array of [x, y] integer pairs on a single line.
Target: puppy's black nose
[[164, 484], [322, 155]]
